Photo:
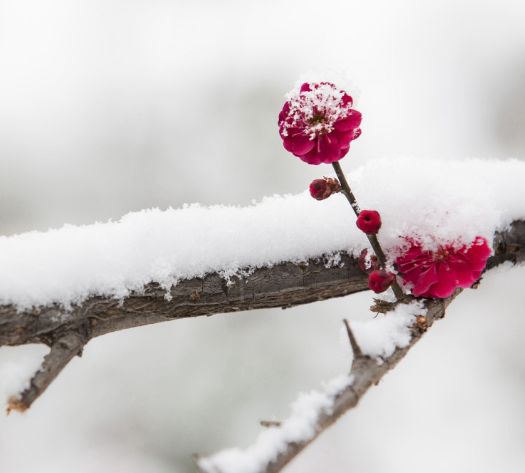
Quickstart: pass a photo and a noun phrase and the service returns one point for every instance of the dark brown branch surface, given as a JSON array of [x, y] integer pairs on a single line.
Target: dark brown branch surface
[[366, 373], [283, 285], [62, 352]]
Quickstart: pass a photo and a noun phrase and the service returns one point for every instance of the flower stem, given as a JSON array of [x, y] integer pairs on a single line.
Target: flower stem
[[372, 238], [346, 189]]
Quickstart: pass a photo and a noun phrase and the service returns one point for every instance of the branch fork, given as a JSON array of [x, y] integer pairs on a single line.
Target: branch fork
[[63, 350]]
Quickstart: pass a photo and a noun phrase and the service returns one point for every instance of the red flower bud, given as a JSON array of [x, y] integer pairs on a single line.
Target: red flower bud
[[369, 221], [321, 189], [380, 280], [367, 263]]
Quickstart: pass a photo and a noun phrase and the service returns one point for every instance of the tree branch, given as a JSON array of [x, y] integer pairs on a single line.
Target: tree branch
[[275, 449], [284, 285], [62, 352], [365, 372]]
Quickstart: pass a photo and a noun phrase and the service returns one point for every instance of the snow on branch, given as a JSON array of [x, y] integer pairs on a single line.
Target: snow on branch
[[152, 266], [314, 412], [444, 201], [283, 285]]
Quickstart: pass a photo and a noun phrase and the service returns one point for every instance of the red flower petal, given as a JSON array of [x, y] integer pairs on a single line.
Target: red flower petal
[[343, 151], [288, 144], [346, 100], [352, 121], [442, 289], [462, 269], [328, 148], [344, 137], [311, 158], [478, 253], [305, 87], [425, 280], [301, 145], [325, 150], [476, 275]]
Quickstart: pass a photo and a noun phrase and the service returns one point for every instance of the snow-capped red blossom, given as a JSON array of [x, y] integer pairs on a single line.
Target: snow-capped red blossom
[[367, 262], [380, 280], [321, 189], [369, 221], [317, 123], [438, 273]]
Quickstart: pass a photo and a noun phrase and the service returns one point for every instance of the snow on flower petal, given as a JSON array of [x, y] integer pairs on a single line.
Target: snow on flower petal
[[317, 123], [437, 273]]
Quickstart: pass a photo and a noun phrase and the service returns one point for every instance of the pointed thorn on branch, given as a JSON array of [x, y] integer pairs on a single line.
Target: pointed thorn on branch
[[353, 342]]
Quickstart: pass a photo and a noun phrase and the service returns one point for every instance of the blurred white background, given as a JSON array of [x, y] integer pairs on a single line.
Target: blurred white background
[[112, 106]]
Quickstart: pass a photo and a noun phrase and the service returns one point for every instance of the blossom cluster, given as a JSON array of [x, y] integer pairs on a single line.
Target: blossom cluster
[[317, 124]]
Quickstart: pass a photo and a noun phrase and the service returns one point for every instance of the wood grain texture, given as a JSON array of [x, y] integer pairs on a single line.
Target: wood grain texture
[[283, 285], [366, 372]]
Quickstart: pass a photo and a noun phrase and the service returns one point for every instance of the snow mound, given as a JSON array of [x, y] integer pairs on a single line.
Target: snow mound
[[437, 200]]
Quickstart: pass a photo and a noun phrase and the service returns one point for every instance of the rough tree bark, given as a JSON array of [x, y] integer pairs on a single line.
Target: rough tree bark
[[282, 285], [365, 373]]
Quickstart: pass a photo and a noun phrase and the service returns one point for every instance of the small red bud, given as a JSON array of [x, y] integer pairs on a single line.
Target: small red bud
[[369, 221], [321, 189], [366, 263], [380, 280]]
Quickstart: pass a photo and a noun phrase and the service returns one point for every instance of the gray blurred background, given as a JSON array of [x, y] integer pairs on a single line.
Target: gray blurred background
[[112, 106]]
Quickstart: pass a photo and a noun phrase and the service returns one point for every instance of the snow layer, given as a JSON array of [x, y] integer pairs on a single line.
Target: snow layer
[[300, 426], [438, 200], [379, 337]]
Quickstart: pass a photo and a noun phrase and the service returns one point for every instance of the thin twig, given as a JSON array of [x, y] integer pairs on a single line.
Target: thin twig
[[346, 188], [372, 238], [61, 353], [283, 285], [365, 373], [353, 342]]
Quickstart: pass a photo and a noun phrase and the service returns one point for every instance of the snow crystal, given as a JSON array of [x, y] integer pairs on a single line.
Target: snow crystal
[[379, 337], [438, 200], [323, 100], [299, 427], [333, 261]]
